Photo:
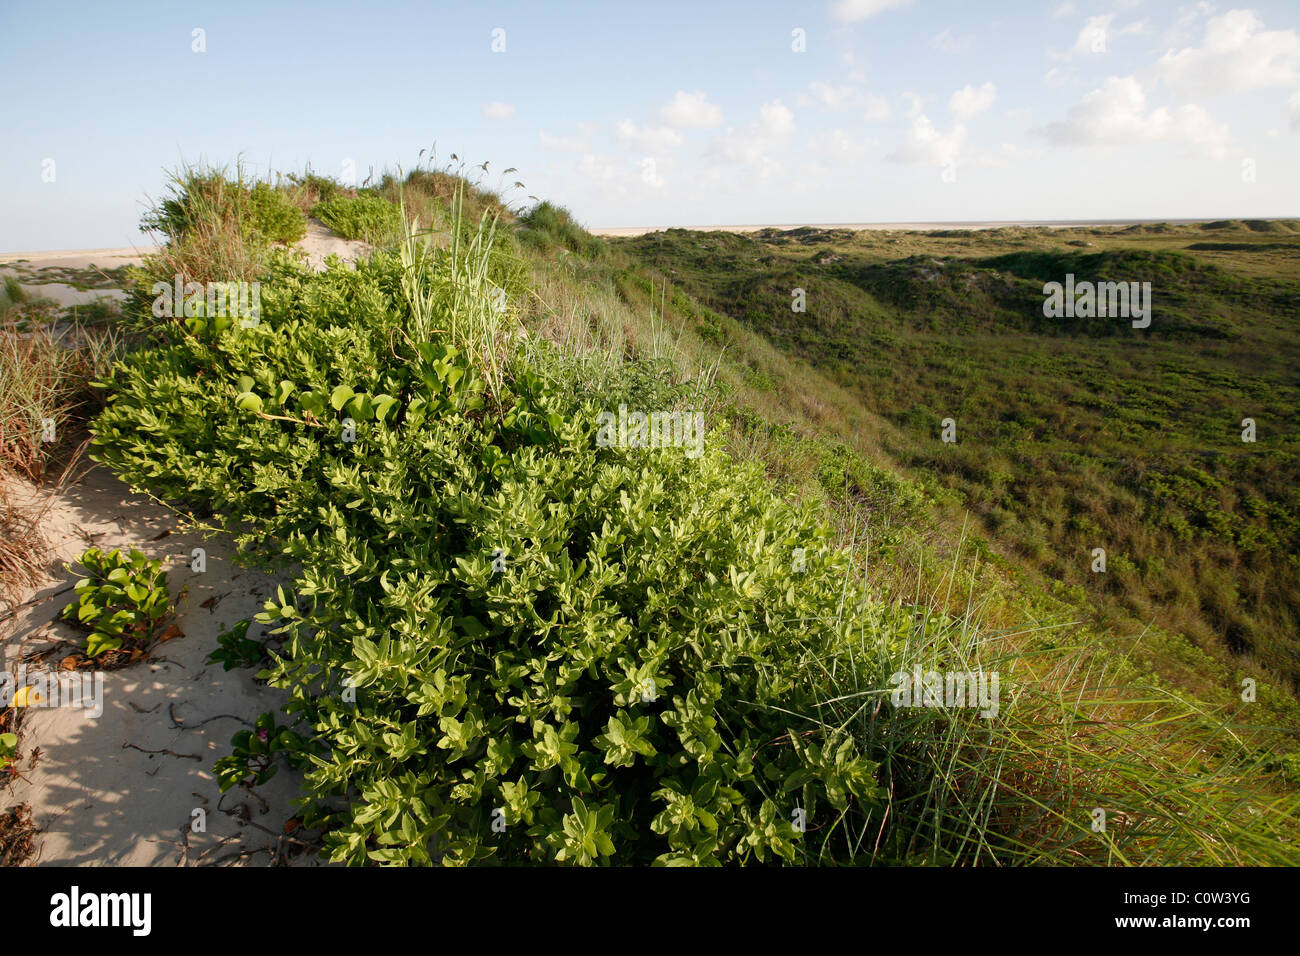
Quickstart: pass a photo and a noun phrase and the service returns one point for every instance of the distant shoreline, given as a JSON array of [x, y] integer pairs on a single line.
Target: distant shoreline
[[616, 231], [78, 258]]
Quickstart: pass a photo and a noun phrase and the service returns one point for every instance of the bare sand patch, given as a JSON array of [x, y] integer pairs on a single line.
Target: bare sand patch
[[123, 788]]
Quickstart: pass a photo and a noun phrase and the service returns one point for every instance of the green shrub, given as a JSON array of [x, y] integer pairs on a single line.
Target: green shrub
[[366, 217], [274, 215], [503, 640], [253, 753], [203, 199], [122, 600]]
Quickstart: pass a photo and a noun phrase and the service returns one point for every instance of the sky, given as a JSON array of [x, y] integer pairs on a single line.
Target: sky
[[663, 114]]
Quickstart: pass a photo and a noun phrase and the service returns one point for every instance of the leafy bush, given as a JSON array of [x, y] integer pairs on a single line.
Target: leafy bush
[[366, 217], [503, 640], [314, 188], [274, 215], [214, 226], [204, 198], [122, 601]]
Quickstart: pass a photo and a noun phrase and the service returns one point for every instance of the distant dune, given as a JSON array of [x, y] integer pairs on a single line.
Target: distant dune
[[910, 226]]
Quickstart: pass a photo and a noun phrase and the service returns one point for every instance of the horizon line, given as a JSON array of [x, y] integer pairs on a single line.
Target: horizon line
[[913, 225]]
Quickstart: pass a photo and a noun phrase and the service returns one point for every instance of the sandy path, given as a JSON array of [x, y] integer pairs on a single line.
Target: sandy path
[[122, 788]]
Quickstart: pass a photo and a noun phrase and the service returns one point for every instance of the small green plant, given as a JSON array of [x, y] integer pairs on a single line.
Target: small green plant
[[253, 760], [122, 600], [237, 649], [8, 748]]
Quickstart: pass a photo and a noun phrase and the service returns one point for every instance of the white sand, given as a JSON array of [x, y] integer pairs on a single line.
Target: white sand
[[321, 241], [121, 789]]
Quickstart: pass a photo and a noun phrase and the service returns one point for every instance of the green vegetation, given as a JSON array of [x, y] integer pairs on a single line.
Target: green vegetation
[[547, 225], [45, 375], [8, 748], [252, 760], [1073, 434], [506, 641], [122, 601], [236, 649], [366, 217], [214, 226]]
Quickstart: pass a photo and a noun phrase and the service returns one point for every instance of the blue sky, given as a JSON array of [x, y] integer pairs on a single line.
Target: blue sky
[[666, 114]]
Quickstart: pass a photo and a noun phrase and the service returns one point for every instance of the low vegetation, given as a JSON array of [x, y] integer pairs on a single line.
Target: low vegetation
[[122, 602], [366, 217]]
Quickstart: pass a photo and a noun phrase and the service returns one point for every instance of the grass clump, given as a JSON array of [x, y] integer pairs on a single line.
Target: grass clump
[[367, 217], [215, 226], [45, 377], [546, 224]]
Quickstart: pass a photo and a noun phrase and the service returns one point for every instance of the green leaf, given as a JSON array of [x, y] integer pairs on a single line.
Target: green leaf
[[341, 395], [249, 402]]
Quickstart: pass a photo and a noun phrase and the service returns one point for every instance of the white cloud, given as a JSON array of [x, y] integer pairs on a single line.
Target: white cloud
[[1063, 10], [874, 107], [752, 145], [650, 174], [1116, 114], [915, 104], [648, 139], [562, 144], [837, 145], [946, 42], [498, 110], [691, 111], [1293, 107], [597, 168], [834, 97], [971, 100], [1236, 55], [850, 11], [775, 120], [924, 143]]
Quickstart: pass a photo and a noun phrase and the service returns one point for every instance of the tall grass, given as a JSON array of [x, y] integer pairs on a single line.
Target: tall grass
[[1077, 732], [45, 377], [481, 321]]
